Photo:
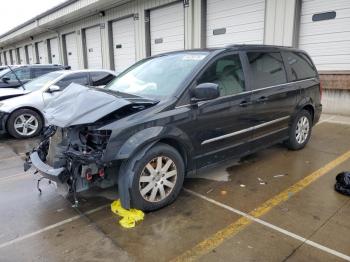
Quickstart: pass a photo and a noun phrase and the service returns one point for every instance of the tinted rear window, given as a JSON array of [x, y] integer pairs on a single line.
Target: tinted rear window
[[42, 71], [300, 65], [267, 69]]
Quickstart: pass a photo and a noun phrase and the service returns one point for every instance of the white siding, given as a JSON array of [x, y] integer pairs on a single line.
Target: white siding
[[54, 51], [123, 44], [93, 47], [167, 29], [72, 51], [22, 56], [240, 21], [41, 53], [327, 41]]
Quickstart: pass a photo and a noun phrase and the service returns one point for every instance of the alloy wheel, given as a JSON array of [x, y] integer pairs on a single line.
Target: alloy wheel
[[26, 124], [158, 179], [302, 130]]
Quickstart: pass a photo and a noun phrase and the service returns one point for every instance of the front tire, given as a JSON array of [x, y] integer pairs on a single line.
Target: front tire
[[300, 131], [24, 123], [157, 177]]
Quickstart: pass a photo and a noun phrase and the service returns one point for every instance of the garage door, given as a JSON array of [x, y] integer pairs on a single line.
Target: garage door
[[41, 58], [72, 51], [324, 33], [167, 29], [93, 48], [235, 22], [54, 51], [30, 54], [4, 58], [8, 58], [12, 57], [22, 56], [123, 44]]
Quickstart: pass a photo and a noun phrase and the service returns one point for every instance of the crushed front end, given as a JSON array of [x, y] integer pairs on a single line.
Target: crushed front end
[[72, 157]]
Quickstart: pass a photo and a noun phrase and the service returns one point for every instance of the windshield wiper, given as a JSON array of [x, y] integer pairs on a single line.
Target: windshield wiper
[[13, 72]]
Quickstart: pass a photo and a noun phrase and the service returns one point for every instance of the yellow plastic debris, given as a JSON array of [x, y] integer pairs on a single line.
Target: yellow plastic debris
[[129, 217]]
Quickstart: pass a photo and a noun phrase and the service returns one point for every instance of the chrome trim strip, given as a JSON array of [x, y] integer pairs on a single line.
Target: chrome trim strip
[[253, 91], [244, 130]]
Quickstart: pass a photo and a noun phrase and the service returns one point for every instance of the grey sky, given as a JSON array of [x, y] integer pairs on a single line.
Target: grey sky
[[15, 12]]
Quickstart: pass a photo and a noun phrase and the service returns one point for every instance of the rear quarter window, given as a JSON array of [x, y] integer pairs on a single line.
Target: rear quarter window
[[42, 71], [300, 66], [267, 69]]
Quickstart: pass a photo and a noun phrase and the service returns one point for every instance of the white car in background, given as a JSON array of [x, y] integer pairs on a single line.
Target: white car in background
[[21, 114]]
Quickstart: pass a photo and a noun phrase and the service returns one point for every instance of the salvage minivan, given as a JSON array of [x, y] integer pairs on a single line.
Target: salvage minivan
[[174, 114]]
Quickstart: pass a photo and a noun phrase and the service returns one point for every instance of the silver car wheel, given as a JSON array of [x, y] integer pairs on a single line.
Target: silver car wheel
[[302, 131], [26, 124], [158, 179]]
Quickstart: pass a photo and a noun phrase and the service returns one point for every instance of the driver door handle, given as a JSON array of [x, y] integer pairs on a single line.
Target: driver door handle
[[245, 103]]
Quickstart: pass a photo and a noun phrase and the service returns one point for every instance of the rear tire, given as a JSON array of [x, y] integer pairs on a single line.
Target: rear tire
[[300, 131], [158, 177], [24, 123]]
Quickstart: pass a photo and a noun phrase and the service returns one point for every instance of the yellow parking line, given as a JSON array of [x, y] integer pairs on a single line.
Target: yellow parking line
[[219, 237]]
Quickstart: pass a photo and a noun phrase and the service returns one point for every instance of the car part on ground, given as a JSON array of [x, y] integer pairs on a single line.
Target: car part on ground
[[175, 114], [342, 184]]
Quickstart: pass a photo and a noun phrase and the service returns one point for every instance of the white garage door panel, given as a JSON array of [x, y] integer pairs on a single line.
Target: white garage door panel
[[72, 51], [22, 56], [41, 53], [328, 41], [167, 29], [8, 57], [315, 39], [54, 51], [93, 48], [124, 39], [30, 54], [242, 20]]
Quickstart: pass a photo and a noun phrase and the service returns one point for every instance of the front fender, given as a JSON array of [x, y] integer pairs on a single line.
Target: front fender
[[152, 135]]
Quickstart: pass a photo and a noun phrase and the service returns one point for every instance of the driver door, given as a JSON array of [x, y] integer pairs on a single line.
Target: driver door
[[222, 125], [78, 78]]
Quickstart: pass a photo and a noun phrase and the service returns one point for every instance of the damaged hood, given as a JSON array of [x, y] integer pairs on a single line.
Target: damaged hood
[[6, 93], [78, 105]]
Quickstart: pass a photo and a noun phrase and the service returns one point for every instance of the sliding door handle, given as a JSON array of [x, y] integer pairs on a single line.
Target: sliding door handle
[[262, 99]]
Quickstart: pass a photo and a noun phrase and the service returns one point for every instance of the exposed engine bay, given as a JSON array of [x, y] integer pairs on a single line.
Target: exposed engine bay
[[71, 149]]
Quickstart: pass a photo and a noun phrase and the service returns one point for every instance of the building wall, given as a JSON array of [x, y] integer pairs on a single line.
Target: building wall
[[283, 21]]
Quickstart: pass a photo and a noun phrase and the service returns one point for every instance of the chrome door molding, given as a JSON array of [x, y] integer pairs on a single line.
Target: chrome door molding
[[244, 130]]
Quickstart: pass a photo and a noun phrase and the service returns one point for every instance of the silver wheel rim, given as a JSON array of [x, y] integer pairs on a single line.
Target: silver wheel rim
[[26, 124], [303, 128], [158, 179]]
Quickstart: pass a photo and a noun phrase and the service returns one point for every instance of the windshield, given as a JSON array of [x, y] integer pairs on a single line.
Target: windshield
[[158, 77], [41, 81]]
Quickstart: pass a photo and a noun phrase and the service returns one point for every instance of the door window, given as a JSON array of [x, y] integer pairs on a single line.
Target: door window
[[42, 71], [267, 69], [227, 72], [300, 65], [22, 73], [101, 78], [78, 78]]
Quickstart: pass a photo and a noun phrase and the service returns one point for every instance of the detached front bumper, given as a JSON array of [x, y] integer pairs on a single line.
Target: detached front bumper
[[55, 174], [3, 118]]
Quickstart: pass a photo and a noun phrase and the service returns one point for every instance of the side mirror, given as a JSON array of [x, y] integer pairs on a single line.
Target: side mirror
[[5, 79], [205, 91], [53, 89]]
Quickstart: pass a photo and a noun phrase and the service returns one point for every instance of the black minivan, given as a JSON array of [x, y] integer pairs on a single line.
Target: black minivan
[[175, 114]]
